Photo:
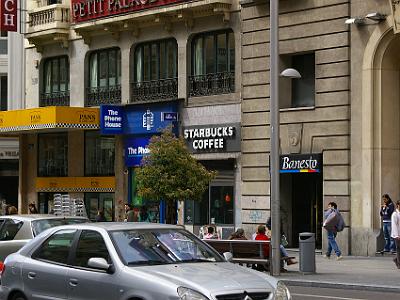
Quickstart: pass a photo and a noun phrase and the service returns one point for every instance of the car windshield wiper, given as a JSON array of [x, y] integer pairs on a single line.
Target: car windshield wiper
[[147, 262], [197, 260]]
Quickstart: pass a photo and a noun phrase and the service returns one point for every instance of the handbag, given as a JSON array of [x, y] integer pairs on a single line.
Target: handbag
[[284, 241]]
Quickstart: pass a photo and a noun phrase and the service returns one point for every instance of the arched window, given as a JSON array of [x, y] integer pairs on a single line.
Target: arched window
[[155, 71], [213, 64], [55, 87], [104, 84]]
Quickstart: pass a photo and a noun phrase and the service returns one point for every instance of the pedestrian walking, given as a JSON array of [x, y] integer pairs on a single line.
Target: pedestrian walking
[[386, 212], [12, 210], [396, 232], [331, 220], [129, 214], [238, 235], [32, 208], [100, 217]]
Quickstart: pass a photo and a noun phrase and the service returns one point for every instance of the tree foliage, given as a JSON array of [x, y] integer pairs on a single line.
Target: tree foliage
[[170, 173]]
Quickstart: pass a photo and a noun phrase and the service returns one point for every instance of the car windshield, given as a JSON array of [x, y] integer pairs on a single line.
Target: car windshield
[[162, 246], [38, 226]]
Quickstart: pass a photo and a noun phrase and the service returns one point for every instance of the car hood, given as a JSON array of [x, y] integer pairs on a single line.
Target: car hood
[[211, 277]]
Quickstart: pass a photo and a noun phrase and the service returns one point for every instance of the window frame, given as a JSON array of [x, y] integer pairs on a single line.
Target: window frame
[[38, 154], [50, 60], [150, 44], [118, 72], [215, 35], [85, 147]]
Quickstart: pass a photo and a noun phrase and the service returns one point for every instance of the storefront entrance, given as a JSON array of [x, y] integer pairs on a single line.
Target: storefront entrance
[[301, 197], [95, 202]]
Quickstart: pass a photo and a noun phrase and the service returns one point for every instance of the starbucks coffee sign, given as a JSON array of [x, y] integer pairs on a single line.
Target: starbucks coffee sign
[[213, 138]]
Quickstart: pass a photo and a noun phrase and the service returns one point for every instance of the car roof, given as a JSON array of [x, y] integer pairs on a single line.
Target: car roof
[[38, 217], [117, 226]]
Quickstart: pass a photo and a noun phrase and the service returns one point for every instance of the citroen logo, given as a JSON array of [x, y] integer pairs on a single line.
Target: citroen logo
[[247, 298]]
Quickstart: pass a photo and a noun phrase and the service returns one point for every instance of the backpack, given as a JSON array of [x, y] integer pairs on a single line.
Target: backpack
[[340, 224]]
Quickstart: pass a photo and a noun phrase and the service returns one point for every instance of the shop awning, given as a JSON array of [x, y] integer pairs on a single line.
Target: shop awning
[[49, 118]]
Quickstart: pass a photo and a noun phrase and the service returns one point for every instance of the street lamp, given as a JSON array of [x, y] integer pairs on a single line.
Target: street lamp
[[275, 267]]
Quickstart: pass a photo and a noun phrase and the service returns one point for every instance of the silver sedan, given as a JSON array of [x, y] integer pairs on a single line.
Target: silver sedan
[[129, 261], [17, 230]]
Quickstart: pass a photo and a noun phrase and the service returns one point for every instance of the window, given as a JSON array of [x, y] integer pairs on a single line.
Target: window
[[9, 229], [213, 64], [104, 86], [55, 89], [56, 248], [298, 92], [99, 154], [104, 202], [91, 244], [216, 207], [53, 154], [155, 71]]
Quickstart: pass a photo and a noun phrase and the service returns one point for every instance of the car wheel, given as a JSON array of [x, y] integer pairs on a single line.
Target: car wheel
[[18, 296]]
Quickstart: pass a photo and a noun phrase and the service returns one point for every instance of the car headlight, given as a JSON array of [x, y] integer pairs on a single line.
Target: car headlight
[[282, 292], [188, 294]]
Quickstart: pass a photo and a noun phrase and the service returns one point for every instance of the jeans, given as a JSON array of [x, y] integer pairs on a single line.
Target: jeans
[[389, 242], [332, 245], [283, 251]]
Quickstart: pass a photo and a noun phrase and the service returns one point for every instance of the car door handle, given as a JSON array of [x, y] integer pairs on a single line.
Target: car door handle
[[31, 275], [73, 282]]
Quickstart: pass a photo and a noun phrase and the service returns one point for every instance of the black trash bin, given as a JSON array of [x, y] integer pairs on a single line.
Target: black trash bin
[[307, 252]]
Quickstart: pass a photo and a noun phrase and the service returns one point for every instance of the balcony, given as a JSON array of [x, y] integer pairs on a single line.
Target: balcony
[[49, 24], [155, 90], [54, 99], [211, 84], [103, 95]]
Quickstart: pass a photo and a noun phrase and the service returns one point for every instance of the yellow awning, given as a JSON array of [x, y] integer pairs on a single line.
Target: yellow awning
[[51, 117], [75, 184]]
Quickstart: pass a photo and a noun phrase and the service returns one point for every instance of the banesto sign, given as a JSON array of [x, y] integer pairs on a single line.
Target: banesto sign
[[84, 10], [8, 15]]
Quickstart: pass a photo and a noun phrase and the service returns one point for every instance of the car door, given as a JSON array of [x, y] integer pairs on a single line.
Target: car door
[[85, 283], [44, 273]]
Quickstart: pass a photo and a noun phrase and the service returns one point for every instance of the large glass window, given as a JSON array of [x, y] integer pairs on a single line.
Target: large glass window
[[56, 248], [104, 84], [55, 89], [155, 71], [213, 64], [53, 154], [100, 203], [216, 207], [99, 154]]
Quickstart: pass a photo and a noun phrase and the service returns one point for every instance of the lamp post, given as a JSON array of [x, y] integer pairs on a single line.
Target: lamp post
[[274, 119]]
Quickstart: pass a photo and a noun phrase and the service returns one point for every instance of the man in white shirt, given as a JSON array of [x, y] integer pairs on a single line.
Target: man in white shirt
[[396, 232]]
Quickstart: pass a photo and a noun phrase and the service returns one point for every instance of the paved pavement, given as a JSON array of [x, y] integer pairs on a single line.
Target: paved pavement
[[352, 272]]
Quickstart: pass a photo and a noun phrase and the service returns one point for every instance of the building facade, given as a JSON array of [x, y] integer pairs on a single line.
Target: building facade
[[203, 66]]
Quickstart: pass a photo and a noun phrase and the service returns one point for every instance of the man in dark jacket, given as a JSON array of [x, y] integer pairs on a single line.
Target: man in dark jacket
[[331, 218]]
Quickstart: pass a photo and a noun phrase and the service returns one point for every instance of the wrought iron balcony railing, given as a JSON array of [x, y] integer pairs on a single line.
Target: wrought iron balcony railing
[[103, 95], [211, 84], [163, 89], [54, 99]]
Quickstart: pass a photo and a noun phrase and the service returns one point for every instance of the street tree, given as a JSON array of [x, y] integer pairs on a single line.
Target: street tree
[[169, 172]]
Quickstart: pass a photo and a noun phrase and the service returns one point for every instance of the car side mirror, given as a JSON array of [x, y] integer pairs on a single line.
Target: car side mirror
[[100, 264], [228, 256]]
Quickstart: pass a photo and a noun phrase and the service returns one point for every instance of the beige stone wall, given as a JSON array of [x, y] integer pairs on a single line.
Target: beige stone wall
[[305, 26]]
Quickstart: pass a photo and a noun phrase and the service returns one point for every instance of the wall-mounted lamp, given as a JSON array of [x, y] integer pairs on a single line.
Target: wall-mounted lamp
[[290, 73], [374, 16]]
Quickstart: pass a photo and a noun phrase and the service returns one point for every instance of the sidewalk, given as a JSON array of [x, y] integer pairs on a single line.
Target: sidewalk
[[352, 272]]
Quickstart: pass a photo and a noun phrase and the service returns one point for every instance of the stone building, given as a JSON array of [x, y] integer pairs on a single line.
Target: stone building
[[207, 62]]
